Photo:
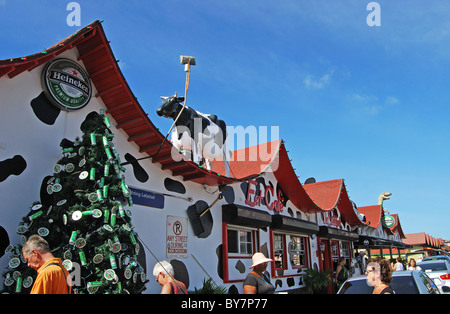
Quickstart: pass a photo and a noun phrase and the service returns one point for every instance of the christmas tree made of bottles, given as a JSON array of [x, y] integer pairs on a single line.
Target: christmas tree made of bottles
[[84, 216]]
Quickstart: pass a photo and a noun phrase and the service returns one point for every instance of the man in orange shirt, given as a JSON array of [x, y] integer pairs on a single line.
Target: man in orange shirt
[[52, 277]]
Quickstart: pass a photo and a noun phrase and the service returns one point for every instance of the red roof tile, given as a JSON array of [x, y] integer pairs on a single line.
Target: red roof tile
[[415, 238], [373, 215]]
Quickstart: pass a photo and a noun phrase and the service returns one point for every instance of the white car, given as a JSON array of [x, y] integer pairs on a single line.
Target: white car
[[439, 271], [403, 282]]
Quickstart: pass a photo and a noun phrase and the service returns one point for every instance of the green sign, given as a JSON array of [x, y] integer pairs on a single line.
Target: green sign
[[66, 84], [388, 221]]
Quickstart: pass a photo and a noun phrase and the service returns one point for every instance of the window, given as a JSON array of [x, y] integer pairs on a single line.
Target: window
[[240, 241], [335, 253], [297, 253], [279, 252], [289, 248]]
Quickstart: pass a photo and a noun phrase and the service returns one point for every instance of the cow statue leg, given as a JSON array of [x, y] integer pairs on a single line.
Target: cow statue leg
[[183, 142]]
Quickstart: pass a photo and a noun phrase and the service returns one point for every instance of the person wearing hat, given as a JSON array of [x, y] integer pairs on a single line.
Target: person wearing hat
[[258, 280]]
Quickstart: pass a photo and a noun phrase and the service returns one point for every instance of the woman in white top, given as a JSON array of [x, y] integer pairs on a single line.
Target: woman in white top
[[398, 266], [412, 265]]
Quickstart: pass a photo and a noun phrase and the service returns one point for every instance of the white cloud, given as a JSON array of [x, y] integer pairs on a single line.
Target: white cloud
[[315, 84], [371, 104]]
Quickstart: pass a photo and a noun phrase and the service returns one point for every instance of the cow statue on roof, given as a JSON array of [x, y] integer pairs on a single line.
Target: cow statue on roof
[[195, 133]]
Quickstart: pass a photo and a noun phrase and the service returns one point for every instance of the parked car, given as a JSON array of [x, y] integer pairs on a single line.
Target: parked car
[[403, 282], [436, 257], [439, 271]]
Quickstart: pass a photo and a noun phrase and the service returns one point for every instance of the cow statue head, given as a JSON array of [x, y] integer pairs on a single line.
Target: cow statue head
[[170, 106]]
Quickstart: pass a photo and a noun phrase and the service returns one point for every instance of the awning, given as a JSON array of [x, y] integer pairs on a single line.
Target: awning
[[280, 222], [332, 233], [371, 242], [245, 216]]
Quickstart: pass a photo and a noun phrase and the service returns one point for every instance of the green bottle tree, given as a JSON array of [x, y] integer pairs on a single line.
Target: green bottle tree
[[85, 217]]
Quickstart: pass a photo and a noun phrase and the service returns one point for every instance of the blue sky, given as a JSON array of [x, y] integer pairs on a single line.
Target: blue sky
[[367, 104]]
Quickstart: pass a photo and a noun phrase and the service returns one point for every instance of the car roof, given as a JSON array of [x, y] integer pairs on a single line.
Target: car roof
[[436, 257], [394, 274], [432, 262]]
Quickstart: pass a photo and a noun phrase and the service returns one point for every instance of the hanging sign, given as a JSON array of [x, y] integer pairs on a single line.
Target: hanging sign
[[146, 198], [66, 84], [388, 221], [177, 237]]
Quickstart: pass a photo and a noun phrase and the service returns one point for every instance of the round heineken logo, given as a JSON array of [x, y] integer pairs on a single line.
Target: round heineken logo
[[66, 84], [388, 221]]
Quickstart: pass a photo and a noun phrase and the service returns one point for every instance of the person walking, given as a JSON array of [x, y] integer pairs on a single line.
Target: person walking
[[379, 275], [52, 277], [398, 266], [412, 265], [164, 274], [258, 280], [341, 273]]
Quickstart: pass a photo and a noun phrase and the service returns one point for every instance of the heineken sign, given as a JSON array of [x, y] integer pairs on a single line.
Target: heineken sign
[[66, 84], [388, 221]]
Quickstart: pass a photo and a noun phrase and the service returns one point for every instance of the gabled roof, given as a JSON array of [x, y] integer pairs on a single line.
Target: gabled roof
[[416, 238], [373, 215], [101, 65], [333, 194], [271, 157], [397, 228], [248, 161]]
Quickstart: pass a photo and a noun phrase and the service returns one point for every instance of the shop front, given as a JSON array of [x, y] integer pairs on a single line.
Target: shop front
[[337, 224], [207, 224]]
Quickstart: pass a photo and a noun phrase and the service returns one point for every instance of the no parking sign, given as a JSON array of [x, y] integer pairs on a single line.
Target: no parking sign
[[177, 239]]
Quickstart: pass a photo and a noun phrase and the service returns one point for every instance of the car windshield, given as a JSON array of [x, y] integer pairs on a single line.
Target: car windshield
[[357, 287], [404, 285], [438, 266], [400, 284]]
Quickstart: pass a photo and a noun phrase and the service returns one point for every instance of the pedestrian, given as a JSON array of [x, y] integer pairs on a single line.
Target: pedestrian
[[362, 261], [341, 273], [258, 280], [164, 274], [52, 277], [398, 266], [355, 266], [379, 275], [412, 265]]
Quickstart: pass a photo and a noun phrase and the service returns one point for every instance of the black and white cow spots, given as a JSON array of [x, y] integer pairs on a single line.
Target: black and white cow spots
[[139, 173], [174, 186], [4, 241], [13, 166], [44, 110]]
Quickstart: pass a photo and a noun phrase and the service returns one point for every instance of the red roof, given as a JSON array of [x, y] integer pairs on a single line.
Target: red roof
[[397, 228], [373, 215], [420, 238], [100, 63], [271, 157], [333, 194], [247, 162]]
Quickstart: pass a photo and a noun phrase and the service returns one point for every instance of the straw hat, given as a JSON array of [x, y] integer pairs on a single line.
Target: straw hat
[[259, 258]]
